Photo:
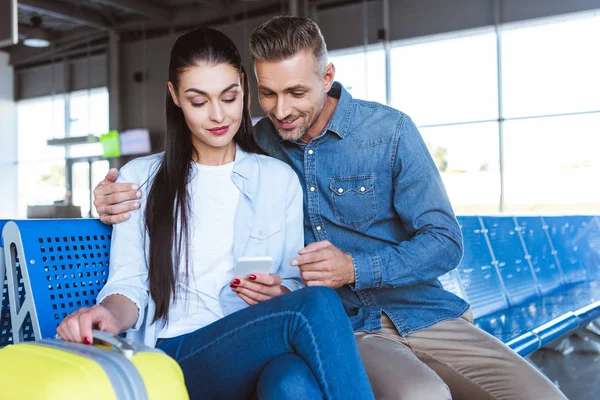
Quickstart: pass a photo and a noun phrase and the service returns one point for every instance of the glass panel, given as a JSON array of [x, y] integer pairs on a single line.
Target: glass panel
[[552, 164], [99, 171], [446, 81], [467, 157], [40, 183], [361, 72], [88, 115], [81, 187], [551, 68], [41, 168], [37, 121], [81, 184]]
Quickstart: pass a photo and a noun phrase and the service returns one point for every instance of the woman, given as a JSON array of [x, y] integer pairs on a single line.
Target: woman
[[212, 199]]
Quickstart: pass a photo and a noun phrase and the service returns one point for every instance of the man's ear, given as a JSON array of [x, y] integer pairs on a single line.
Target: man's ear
[[329, 76], [173, 94]]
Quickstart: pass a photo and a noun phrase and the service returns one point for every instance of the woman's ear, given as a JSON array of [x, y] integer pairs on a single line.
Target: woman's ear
[[173, 94]]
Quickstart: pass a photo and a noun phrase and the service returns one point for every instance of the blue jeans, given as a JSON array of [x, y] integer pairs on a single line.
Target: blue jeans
[[301, 341]]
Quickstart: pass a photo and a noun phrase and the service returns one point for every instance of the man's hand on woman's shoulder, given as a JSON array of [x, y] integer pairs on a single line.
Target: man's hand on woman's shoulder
[[110, 198]]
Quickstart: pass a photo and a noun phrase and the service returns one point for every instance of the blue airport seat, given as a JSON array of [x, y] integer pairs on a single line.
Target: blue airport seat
[[5, 326], [530, 280], [64, 262], [480, 281], [580, 237], [451, 283], [567, 234], [516, 326], [541, 254], [511, 258], [555, 292]]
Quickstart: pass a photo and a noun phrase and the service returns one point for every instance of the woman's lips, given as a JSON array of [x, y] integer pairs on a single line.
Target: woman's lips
[[221, 130]]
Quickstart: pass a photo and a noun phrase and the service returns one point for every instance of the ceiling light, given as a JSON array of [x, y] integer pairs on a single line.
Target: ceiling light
[[35, 36]]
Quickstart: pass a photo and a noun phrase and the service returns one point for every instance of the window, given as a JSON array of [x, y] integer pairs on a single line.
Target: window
[[42, 177], [41, 168], [552, 164], [362, 72], [467, 157], [551, 68], [446, 81], [88, 116]]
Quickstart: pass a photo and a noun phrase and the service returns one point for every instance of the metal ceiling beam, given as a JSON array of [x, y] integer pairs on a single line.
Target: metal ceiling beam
[[19, 59], [73, 14], [139, 7], [196, 14], [26, 30]]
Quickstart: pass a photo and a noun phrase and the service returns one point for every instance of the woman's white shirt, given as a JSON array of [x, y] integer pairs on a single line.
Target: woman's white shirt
[[251, 207]]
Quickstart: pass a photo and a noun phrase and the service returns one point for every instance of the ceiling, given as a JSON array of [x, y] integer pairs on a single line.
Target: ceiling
[[85, 25]]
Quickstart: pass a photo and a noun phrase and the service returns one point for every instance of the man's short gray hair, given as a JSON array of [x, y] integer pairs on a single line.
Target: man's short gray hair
[[282, 38]]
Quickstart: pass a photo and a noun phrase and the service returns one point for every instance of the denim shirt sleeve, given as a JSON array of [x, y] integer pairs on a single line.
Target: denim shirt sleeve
[[420, 200], [128, 274], [294, 234]]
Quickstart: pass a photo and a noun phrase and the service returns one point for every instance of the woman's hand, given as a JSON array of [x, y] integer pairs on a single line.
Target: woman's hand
[[77, 327], [258, 287]]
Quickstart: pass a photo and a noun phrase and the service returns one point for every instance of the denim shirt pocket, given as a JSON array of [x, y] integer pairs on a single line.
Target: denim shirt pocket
[[353, 199], [265, 240]]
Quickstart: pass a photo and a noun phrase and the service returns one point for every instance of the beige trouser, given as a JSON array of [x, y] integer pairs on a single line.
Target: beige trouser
[[452, 359]]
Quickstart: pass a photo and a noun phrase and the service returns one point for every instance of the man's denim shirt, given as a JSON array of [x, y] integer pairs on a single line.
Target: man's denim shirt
[[372, 189]]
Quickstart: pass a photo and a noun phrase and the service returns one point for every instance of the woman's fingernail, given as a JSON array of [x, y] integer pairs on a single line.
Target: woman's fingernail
[[135, 187], [252, 277], [236, 281], [87, 340], [294, 262], [233, 286]]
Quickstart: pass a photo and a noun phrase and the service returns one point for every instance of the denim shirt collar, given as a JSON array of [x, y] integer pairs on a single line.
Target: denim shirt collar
[[340, 118]]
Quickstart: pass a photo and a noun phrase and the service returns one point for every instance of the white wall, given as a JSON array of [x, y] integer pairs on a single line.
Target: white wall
[[8, 142]]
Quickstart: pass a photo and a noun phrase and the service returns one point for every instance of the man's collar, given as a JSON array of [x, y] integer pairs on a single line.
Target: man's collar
[[339, 120]]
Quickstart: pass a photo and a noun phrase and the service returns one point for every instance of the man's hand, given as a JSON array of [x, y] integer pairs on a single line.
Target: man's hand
[[323, 264], [258, 287], [109, 197]]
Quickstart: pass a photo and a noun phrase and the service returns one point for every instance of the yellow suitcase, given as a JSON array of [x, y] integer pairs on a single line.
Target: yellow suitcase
[[52, 369]]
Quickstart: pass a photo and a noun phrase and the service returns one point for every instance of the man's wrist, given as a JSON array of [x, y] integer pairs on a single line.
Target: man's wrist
[[352, 274]]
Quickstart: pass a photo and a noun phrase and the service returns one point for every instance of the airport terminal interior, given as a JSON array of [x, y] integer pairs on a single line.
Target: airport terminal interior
[[505, 95]]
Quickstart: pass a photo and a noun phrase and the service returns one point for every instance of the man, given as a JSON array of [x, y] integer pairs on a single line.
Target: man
[[379, 227]]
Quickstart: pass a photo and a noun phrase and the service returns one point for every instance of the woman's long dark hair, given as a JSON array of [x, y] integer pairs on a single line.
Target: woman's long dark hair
[[167, 209]]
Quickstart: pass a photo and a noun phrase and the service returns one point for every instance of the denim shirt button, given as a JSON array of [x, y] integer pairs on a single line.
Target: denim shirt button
[[319, 227], [311, 152], [340, 190], [312, 189], [362, 189]]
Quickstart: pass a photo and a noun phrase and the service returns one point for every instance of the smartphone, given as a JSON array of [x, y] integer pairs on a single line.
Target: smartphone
[[251, 265]]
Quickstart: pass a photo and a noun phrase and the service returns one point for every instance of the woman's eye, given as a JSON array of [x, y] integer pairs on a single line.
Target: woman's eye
[[230, 100], [198, 104]]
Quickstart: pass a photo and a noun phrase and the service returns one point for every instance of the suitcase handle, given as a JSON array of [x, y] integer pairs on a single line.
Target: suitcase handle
[[118, 344]]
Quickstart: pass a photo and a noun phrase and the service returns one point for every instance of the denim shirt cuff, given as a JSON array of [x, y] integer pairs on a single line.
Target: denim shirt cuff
[[367, 271]]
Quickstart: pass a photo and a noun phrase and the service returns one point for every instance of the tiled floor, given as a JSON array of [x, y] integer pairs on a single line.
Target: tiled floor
[[577, 372]]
